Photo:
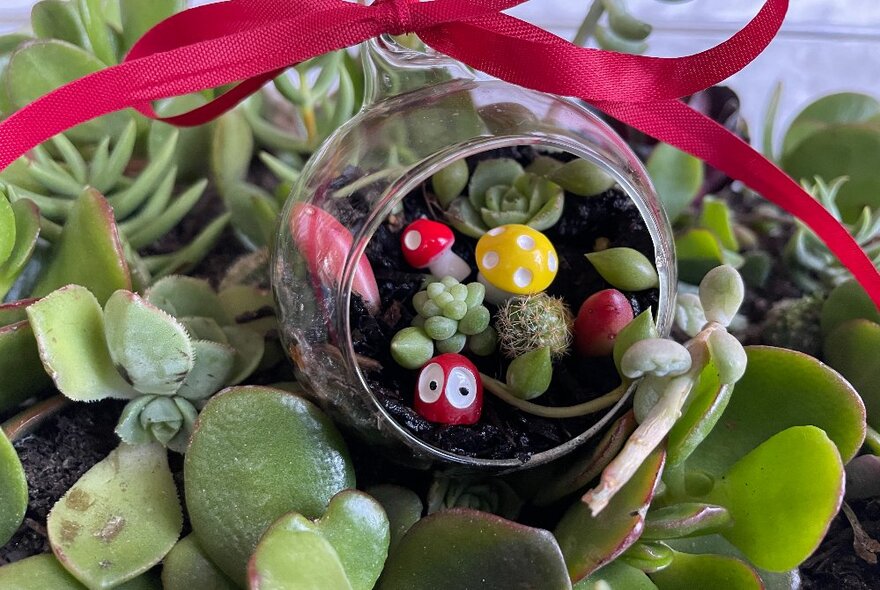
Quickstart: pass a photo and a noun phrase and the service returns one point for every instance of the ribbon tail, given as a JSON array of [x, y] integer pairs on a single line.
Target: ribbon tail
[[677, 124]]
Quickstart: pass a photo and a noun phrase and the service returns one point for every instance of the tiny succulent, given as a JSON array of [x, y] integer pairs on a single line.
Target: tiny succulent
[[795, 324], [500, 192], [601, 317], [625, 268], [528, 323], [449, 314], [489, 494]]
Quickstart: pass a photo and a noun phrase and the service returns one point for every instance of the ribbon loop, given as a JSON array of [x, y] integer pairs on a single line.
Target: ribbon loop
[[396, 16]]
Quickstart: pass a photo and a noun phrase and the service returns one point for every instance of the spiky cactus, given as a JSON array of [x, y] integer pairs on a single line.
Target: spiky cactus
[[528, 323]]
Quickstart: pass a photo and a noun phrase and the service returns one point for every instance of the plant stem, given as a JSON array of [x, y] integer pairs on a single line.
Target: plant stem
[[29, 420], [872, 439], [500, 390], [588, 27]]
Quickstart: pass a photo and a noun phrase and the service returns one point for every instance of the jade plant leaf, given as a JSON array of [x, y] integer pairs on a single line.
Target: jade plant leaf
[[705, 571], [256, 454], [26, 230], [13, 490], [698, 251], [69, 328], [617, 575], [847, 301], [782, 388], [461, 548], [841, 150], [57, 19], [356, 527], [89, 252], [834, 109], [119, 519], [138, 17], [686, 519], [186, 567], [39, 572], [677, 176], [402, 506], [20, 365], [149, 347], [715, 216], [709, 399], [290, 560], [782, 497], [589, 542], [7, 228], [852, 349]]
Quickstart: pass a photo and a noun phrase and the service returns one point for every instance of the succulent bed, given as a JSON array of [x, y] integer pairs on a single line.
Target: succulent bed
[[154, 434]]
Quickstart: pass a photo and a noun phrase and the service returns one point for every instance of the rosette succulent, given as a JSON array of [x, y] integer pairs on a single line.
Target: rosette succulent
[[501, 192], [450, 316]]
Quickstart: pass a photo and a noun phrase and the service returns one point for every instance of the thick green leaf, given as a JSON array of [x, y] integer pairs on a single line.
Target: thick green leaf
[[842, 150], [617, 575], [149, 347], [183, 296], [7, 228], [89, 252], [232, 148], [295, 560], [462, 548], [69, 328], [782, 497], [677, 176], [625, 268], [698, 252], [186, 567], [847, 301], [402, 506], [20, 365], [852, 349], [249, 348], [213, 365], [828, 111], [119, 519], [782, 388], [13, 490], [58, 19], [26, 230], [716, 217], [43, 65], [356, 527], [688, 571], [709, 399], [193, 144], [258, 453], [687, 519], [589, 542], [138, 16], [40, 572]]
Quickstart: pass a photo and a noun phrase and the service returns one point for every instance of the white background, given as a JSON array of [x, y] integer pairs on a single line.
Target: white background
[[825, 46]]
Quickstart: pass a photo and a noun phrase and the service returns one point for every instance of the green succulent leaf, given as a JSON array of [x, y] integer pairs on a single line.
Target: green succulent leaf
[[709, 399], [232, 148], [698, 251], [847, 301], [214, 363], [852, 349], [677, 176], [249, 349], [529, 375], [190, 147], [151, 349], [20, 364], [89, 252], [589, 542], [829, 111], [354, 524], [39, 572], [717, 218], [449, 182], [25, 229], [186, 567], [489, 173], [648, 556], [13, 490], [703, 571], [689, 314], [617, 574], [462, 548], [289, 560], [402, 506], [69, 328], [782, 497], [203, 328], [58, 19], [625, 268], [286, 452], [721, 293], [119, 519], [655, 356], [728, 355], [7, 228], [411, 348], [183, 296], [641, 328], [138, 17], [782, 388], [687, 519], [581, 178]]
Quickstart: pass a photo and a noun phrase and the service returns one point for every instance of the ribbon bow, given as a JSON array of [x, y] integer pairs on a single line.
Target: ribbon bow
[[252, 41]]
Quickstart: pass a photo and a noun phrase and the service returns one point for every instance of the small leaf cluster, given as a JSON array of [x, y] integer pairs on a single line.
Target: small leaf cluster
[[449, 316]]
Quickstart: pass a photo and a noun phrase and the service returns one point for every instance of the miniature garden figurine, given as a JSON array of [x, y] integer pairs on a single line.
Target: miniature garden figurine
[[515, 259], [449, 391], [428, 244]]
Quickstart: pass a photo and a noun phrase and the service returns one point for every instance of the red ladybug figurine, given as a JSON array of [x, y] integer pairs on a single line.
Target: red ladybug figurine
[[449, 390]]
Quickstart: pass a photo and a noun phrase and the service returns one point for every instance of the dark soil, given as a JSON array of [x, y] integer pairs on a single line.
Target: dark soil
[[503, 432]]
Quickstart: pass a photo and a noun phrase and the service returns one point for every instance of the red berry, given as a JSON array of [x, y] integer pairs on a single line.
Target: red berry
[[601, 317]]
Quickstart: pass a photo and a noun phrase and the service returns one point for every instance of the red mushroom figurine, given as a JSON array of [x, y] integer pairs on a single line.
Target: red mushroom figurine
[[449, 391], [325, 244], [428, 244]]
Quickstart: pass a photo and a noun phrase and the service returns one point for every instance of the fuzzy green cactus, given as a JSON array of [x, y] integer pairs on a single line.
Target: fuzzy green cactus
[[501, 192], [450, 316], [528, 323]]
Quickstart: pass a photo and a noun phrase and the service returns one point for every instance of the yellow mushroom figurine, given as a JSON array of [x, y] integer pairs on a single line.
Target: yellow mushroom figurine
[[515, 260]]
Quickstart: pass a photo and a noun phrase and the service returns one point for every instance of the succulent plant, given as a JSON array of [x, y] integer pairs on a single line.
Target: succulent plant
[[500, 192], [536, 321], [795, 324], [19, 229], [625, 268], [812, 265], [132, 350], [449, 314], [488, 494], [600, 318]]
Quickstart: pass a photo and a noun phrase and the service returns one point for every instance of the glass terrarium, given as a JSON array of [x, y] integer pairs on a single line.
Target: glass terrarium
[[411, 347]]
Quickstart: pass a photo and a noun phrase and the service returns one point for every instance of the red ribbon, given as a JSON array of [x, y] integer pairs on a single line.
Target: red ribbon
[[254, 40]]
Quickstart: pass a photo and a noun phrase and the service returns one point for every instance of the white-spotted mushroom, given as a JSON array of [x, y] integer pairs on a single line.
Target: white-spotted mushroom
[[428, 244], [515, 260]]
